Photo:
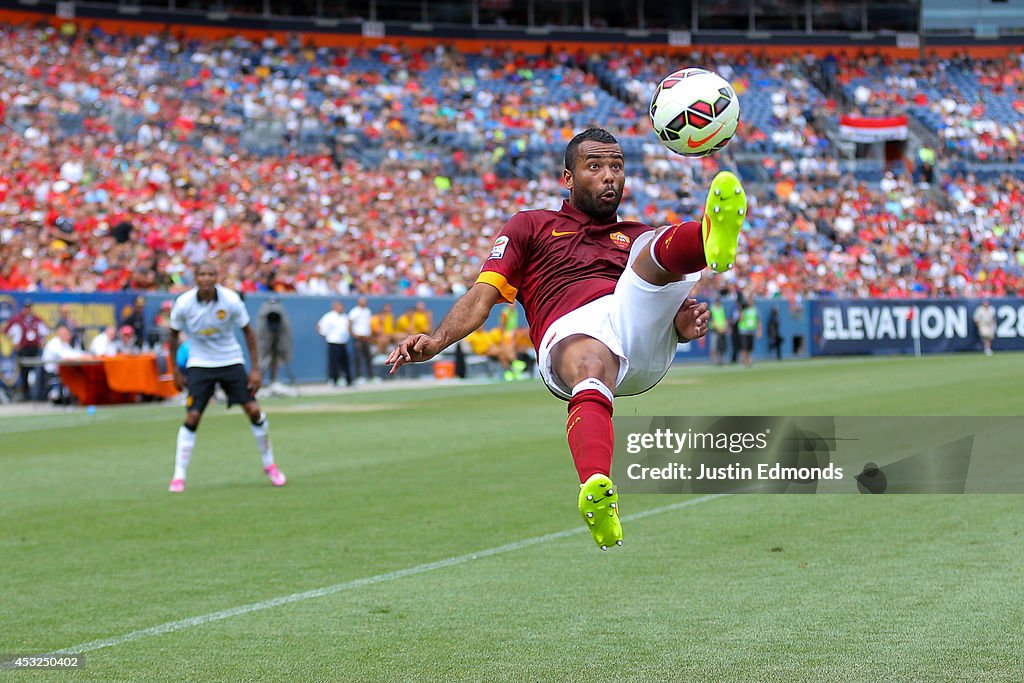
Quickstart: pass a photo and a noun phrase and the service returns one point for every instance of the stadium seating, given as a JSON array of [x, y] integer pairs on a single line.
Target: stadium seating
[[975, 107], [389, 171]]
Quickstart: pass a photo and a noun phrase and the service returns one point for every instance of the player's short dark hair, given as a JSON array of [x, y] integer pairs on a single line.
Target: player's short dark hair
[[595, 134]]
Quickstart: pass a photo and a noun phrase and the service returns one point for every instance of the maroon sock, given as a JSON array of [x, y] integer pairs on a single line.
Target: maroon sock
[[680, 249], [589, 432]]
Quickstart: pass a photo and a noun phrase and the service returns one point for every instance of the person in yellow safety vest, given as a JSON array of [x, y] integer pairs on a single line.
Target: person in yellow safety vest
[[749, 325], [926, 164], [719, 330], [509, 323], [481, 343], [422, 319], [382, 325]]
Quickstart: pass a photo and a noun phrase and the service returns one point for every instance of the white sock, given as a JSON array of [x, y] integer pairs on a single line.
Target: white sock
[[596, 384], [262, 433], [183, 452], [653, 255]]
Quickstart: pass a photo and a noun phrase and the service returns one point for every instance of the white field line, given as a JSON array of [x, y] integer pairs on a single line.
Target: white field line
[[191, 622]]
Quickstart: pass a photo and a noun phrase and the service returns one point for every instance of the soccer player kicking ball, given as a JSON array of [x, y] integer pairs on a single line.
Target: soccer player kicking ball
[[606, 302], [209, 314]]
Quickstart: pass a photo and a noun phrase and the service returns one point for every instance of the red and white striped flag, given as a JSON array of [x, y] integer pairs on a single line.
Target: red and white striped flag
[[873, 128]]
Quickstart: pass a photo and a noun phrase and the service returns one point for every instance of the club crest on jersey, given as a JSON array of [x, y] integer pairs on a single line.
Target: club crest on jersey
[[221, 314], [498, 250], [621, 239]]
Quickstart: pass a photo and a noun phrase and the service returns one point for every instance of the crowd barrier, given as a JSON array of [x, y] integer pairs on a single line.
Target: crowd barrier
[[818, 327], [93, 312]]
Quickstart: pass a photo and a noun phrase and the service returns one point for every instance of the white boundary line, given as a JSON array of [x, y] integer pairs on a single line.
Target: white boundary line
[[183, 624]]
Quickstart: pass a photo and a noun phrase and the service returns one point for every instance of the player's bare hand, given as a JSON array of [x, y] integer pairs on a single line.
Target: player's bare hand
[[179, 379], [255, 381], [692, 320], [413, 349]]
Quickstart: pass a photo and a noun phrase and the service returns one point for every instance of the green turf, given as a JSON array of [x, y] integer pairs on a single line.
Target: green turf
[[740, 588]]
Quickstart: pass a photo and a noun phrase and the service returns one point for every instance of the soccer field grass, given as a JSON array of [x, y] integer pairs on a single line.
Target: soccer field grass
[[421, 538]]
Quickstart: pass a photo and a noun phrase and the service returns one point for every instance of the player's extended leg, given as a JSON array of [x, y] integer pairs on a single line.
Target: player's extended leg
[[261, 432], [200, 383], [690, 247], [183, 450], [591, 369]]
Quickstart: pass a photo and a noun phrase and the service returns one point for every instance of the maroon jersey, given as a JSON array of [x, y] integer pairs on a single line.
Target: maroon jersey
[[553, 262], [26, 331]]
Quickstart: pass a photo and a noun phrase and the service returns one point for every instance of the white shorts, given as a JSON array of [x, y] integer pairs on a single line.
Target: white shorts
[[636, 323]]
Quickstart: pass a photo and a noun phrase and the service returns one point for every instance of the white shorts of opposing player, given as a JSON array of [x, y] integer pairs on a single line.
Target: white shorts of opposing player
[[636, 323]]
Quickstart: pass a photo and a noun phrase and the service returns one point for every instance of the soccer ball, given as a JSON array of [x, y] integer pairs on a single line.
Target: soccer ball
[[695, 112]]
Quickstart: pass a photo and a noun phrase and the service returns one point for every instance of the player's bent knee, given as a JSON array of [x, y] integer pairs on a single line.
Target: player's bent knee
[[580, 357], [589, 367]]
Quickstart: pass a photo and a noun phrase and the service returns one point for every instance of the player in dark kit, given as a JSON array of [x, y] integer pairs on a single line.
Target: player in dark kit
[[606, 302]]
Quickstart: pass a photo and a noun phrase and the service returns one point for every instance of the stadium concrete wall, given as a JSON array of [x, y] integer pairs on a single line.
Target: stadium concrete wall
[[812, 328], [93, 312]]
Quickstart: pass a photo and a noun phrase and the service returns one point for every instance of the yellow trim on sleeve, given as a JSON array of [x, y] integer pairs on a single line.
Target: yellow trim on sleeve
[[498, 281]]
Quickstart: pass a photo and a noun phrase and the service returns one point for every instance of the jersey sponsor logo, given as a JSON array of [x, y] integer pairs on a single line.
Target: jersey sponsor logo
[[556, 233], [208, 331], [621, 239], [498, 250], [221, 314]]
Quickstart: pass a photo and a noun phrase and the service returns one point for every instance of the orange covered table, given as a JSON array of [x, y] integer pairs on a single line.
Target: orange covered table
[[138, 374], [115, 379]]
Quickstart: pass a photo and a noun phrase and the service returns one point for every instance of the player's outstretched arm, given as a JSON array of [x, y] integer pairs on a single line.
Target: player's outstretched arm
[[173, 342], [468, 313], [255, 376]]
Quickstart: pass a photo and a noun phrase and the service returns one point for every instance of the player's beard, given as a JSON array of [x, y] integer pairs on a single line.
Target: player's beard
[[595, 207], [206, 293]]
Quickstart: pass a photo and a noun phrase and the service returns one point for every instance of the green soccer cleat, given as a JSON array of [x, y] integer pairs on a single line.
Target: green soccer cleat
[[724, 213], [599, 505], [518, 370]]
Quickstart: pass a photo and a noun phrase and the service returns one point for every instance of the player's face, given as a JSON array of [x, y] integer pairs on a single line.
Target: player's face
[[595, 185], [206, 278]]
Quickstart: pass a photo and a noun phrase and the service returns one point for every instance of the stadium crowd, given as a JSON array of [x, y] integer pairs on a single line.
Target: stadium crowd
[[782, 116], [888, 239], [975, 106], [125, 161]]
